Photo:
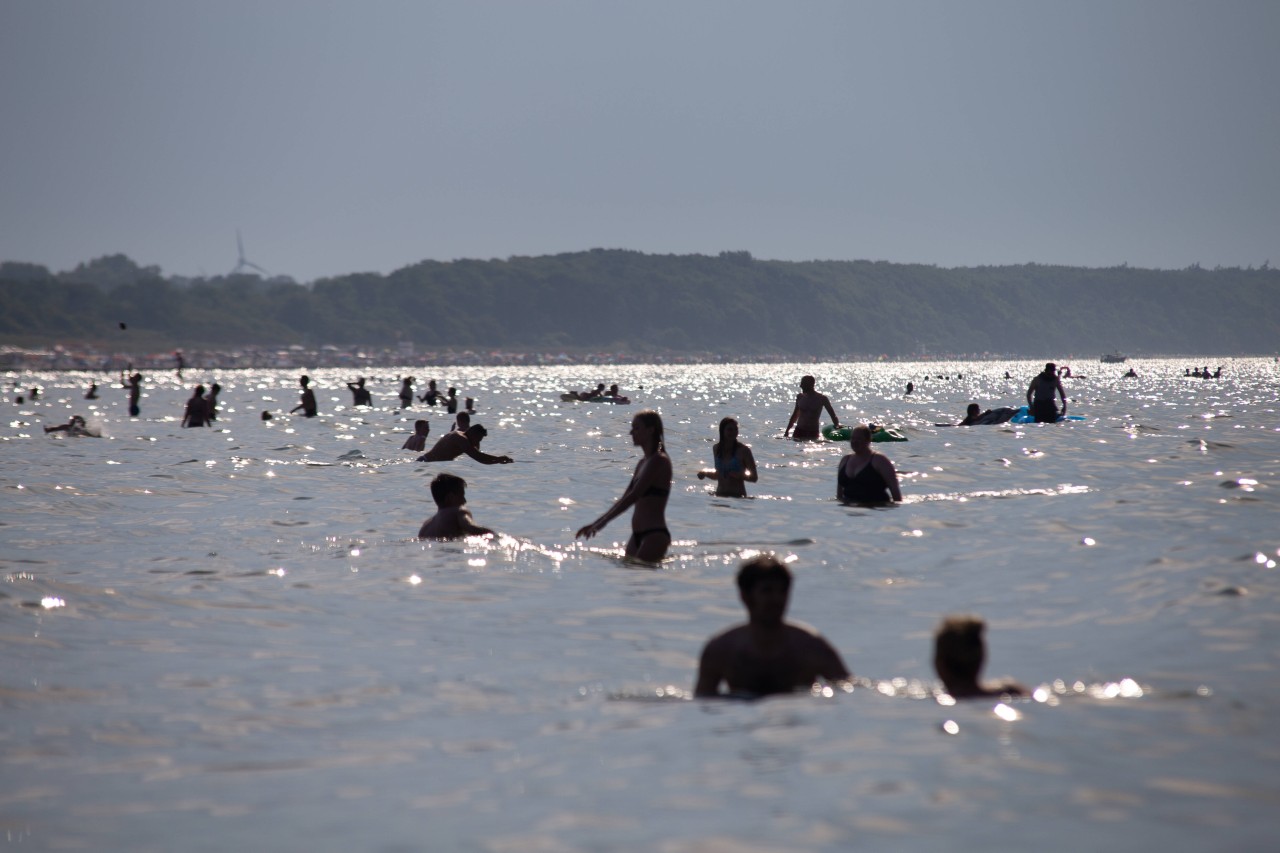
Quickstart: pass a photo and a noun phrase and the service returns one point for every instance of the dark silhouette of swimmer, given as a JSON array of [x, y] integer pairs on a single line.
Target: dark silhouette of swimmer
[[360, 395], [266, 416], [911, 386], [76, 426], [418, 441], [452, 519], [432, 396], [134, 384], [766, 655], [211, 402], [959, 653], [454, 444], [406, 392], [451, 402], [973, 414], [807, 414], [179, 362], [197, 411], [1040, 394], [308, 404], [92, 393]]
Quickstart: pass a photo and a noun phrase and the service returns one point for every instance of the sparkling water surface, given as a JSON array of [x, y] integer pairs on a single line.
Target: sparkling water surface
[[228, 638]]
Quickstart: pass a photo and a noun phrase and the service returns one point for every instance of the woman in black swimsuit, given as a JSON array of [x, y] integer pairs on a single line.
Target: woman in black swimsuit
[[864, 476], [647, 492]]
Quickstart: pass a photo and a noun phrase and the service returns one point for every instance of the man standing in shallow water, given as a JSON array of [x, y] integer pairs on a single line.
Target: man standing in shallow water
[[768, 654]]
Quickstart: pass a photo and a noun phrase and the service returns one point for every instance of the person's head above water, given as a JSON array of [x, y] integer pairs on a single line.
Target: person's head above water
[[807, 383], [728, 435], [646, 429], [1050, 367], [764, 585], [304, 380], [445, 488], [959, 652], [974, 410], [860, 436], [475, 432]]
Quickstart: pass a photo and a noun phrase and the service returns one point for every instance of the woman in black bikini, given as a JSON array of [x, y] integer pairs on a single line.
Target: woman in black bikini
[[647, 492]]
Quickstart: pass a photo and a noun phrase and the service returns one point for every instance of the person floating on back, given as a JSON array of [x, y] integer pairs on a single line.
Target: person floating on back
[[767, 655], [452, 519], [959, 653]]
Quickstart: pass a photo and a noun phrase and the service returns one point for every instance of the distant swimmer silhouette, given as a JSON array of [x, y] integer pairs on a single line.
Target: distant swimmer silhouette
[[453, 444], [418, 441], [806, 417], [1040, 394], [92, 393], [360, 395], [406, 392], [308, 404], [452, 520], [134, 384], [74, 427], [767, 655], [959, 653], [197, 411]]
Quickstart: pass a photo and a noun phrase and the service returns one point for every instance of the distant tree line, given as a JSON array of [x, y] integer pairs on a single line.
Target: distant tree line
[[625, 300]]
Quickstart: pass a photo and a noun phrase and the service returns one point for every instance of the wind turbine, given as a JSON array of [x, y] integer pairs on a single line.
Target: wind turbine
[[244, 263]]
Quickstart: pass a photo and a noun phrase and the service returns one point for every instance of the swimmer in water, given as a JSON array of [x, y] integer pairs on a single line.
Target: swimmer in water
[[865, 476], [455, 443], [647, 492], [418, 441], [807, 414], [767, 655], [360, 395], [308, 404], [959, 653], [197, 411], [452, 519], [1040, 394], [76, 426], [735, 465]]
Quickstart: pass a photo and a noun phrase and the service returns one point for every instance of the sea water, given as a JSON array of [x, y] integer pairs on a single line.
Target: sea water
[[228, 638]]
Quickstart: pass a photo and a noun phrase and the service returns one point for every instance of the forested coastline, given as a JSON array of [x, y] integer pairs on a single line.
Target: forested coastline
[[622, 300]]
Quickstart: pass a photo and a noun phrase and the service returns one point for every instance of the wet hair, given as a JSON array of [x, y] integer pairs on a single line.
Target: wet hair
[[1050, 367], [304, 380], [266, 416], [653, 420], [462, 421], [444, 485], [421, 422], [762, 568], [807, 383], [974, 409], [958, 646], [724, 450], [860, 429], [215, 388], [476, 429], [199, 392]]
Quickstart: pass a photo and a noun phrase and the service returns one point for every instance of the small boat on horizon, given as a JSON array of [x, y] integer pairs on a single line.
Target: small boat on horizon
[[1114, 358]]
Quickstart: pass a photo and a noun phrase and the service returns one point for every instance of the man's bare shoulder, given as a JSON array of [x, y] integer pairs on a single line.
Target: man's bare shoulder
[[443, 525]]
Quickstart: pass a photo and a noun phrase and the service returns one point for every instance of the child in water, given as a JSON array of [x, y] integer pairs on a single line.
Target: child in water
[[959, 653], [452, 519]]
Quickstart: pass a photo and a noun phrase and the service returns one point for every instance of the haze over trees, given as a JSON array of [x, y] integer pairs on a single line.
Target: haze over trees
[[629, 301]]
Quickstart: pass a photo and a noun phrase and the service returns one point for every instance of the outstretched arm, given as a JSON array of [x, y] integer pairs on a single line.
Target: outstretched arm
[[646, 476], [487, 459]]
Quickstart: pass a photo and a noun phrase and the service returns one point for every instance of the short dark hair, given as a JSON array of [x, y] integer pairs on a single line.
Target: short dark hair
[[446, 484], [763, 567], [958, 642]]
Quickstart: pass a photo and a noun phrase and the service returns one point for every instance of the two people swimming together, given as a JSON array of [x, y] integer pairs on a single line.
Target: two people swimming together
[[767, 655]]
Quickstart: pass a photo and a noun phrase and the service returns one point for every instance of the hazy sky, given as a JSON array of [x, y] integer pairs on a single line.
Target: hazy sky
[[365, 136]]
